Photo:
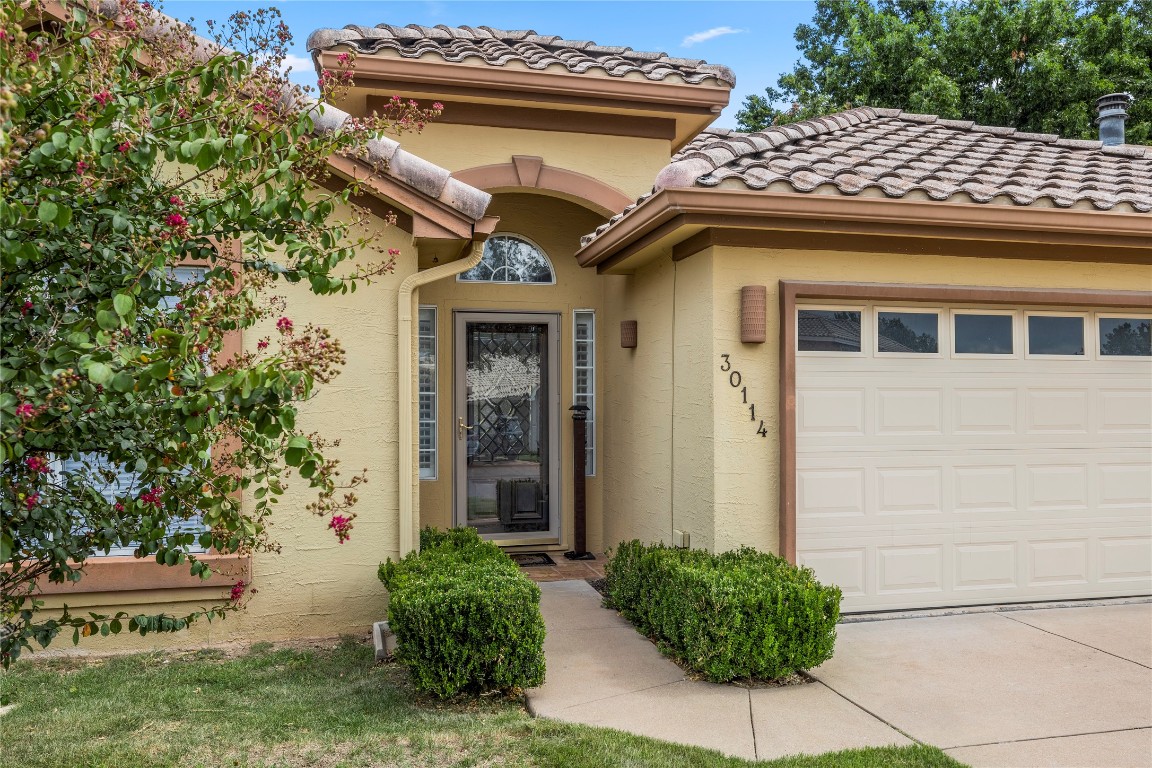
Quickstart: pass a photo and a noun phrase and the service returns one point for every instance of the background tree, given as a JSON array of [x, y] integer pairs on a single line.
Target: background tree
[[1037, 65], [128, 146]]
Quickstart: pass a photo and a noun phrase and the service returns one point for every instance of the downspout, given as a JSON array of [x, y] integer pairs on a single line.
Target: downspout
[[406, 305]]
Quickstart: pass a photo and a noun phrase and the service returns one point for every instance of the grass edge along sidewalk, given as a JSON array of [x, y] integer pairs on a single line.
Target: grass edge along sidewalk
[[322, 705]]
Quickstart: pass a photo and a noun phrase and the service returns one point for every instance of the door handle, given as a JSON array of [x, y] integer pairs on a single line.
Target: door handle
[[462, 428]]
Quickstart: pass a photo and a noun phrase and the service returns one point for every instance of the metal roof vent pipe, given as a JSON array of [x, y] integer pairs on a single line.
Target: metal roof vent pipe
[[1113, 111]]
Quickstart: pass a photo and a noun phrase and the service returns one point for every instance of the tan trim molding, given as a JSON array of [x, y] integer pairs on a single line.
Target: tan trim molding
[[530, 173], [793, 291], [564, 120], [657, 221], [129, 574]]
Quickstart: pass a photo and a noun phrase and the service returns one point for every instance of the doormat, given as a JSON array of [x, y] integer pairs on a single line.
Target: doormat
[[529, 559]]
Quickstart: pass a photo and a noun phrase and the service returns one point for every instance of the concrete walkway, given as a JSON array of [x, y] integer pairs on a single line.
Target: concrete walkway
[[1053, 687]]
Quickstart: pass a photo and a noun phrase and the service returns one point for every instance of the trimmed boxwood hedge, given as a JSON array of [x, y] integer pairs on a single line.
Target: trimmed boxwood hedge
[[741, 614], [465, 618]]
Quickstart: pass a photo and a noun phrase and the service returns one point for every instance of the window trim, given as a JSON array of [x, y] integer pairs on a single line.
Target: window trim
[[590, 397], [1099, 338], [1017, 334], [865, 330], [1088, 336], [514, 235], [942, 345]]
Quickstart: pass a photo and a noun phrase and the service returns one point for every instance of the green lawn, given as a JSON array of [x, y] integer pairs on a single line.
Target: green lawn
[[322, 706]]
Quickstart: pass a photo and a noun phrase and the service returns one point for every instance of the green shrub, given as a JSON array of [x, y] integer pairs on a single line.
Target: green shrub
[[742, 614], [465, 618]]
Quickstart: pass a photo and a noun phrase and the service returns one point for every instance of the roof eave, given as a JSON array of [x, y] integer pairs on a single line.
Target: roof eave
[[672, 215]]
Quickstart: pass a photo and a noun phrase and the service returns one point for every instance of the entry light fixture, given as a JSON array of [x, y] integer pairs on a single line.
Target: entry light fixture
[[753, 314], [628, 334]]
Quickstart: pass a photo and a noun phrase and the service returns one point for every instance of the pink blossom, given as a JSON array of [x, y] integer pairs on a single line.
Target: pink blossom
[[118, 507], [130, 24], [179, 306], [81, 166], [124, 147], [284, 325], [262, 344], [33, 56], [343, 58], [37, 464], [342, 526], [176, 201], [103, 98], [437, 106], [260, 108], [32, 500], [393, 251], [26, 411], [176, 221], [26, 307], [237, 591], [153, 496]]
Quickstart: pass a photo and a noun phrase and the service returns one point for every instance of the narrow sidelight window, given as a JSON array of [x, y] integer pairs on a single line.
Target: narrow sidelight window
[[584, 376], [426, 334]]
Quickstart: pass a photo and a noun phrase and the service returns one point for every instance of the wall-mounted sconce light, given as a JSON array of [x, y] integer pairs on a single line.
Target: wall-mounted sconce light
[[753, 314], [628, 334]]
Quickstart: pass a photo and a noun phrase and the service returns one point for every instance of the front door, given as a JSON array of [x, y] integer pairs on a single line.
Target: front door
[[507, 426]]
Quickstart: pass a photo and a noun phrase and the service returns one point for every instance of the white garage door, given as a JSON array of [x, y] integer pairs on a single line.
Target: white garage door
[[961, 455]]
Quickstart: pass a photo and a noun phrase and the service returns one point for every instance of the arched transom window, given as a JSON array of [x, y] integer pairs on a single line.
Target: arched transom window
[[511, 259]]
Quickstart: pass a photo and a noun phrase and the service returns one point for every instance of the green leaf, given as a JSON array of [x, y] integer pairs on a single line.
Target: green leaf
[[47, 211], [109, 321], [124, 304], [6, 545], [99, 373], [123, 382]]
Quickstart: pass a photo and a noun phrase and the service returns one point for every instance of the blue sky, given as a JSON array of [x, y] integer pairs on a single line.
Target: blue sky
[[753, 37]]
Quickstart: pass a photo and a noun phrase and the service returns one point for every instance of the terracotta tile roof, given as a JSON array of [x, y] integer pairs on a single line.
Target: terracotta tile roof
[[499, 47], [890, 153]]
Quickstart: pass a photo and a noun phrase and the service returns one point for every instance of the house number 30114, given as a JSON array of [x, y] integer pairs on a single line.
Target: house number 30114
[[736, 381]]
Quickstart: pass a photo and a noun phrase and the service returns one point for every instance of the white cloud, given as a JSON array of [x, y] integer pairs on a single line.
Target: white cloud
[[298, 64], [708, 34]]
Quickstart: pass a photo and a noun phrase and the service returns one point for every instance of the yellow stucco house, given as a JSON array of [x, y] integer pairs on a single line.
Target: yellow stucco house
[[911, 353]]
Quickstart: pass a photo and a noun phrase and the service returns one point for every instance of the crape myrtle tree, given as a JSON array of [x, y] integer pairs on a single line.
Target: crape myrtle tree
[[1036, 65], [129, 147]]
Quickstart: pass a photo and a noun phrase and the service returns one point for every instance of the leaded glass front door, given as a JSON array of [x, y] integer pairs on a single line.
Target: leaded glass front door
[[507, 425]]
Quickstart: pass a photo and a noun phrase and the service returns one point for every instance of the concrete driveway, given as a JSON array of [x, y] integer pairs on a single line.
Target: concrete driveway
[[1046, 687]]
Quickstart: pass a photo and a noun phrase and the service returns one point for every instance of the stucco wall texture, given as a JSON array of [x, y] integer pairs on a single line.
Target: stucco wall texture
[[674, 424], [314, 587]]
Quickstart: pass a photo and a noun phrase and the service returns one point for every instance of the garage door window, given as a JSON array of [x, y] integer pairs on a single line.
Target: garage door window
[[1125, 336], [828, 330], [983, 333], [907, 333], [1059, 335]]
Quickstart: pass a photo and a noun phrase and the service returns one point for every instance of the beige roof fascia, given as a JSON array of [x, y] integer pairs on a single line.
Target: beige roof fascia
[[670, 216]]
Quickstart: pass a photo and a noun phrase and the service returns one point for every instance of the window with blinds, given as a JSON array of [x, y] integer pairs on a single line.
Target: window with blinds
[[428, 401], [584, 377]]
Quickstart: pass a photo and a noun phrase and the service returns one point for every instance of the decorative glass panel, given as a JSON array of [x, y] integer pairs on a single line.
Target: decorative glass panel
[[983, 334], [908, 332], [1055, 335], [584, 378], [428, 395], [511, 259], [825, 330], [1125, 337], [507, 427]]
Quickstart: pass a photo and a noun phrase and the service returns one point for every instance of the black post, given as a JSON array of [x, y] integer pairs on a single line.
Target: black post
[[579, 500]]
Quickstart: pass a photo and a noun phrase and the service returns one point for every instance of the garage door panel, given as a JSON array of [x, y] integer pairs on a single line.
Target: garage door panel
[[985, 411], [1125, 411], [951, 481]]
